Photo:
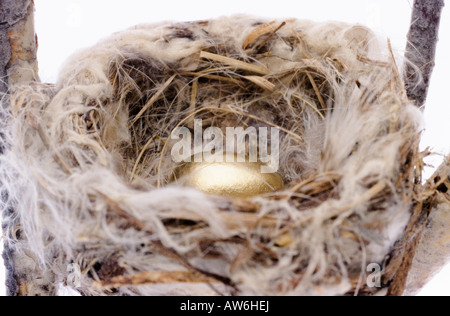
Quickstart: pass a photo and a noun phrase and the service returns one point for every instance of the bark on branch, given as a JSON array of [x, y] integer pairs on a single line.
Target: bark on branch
[[18, 64], [433, 251], [421, 48]]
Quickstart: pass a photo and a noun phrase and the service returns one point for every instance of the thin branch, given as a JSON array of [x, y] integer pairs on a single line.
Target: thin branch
[[433, 251], [17, 65], [155, 277], [421, 48]]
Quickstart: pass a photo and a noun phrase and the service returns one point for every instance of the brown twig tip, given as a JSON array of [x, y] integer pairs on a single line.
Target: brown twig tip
[[421, 48]]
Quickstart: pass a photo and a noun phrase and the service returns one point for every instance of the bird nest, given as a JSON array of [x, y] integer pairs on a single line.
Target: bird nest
[[90, 174]]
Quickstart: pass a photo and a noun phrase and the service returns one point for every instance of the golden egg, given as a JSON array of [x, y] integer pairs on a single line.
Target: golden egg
[[229, 179]]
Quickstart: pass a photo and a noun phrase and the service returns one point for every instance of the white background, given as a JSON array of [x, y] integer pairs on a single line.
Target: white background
[[66, 26]]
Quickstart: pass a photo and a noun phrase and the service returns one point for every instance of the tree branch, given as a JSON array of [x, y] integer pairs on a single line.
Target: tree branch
[[421, 48], [433, 251], [18, 64]]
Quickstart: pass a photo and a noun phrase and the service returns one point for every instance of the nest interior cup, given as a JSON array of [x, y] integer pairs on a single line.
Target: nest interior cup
[[90, 170]]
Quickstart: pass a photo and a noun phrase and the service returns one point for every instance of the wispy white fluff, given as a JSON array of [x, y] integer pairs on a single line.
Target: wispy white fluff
[[57, 175]]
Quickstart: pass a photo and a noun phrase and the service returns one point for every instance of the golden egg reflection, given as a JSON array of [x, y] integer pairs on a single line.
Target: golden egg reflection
[[229, 179]]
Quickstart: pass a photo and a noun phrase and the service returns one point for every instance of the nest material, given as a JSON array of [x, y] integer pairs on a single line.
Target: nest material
[[88, 169]]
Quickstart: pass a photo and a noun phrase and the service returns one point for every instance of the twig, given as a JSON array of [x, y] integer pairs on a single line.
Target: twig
[[297, 96], [214, 77], [18, 65], [259, 31], [155, 277], [193, 104], [421, 48], [270, 36], [316, 90], [398, 78], [261, 70], [154, 98], [170, 253], [261, 82], [141, 154]]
